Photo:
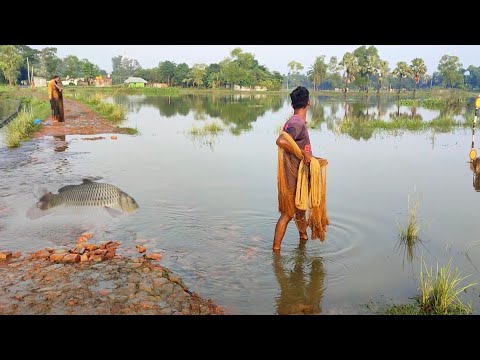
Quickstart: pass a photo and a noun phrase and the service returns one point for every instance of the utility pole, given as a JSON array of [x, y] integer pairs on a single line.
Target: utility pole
[[28, 72]]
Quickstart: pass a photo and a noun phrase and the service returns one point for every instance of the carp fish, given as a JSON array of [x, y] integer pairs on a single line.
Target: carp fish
[[89, 194]]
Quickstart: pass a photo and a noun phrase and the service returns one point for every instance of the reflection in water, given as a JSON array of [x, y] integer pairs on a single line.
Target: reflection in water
[[408, 247], [475, 167], [236, 111], [299, 294], [60, 143]]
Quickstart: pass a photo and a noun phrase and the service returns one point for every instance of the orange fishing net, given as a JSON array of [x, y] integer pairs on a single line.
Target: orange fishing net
[[310, 191]]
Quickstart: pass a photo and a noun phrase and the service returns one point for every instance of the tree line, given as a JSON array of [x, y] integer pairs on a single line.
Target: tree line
[[360, 70]]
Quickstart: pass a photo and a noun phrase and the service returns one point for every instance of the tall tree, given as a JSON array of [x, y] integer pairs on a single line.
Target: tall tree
[[10, 62], [449, 67], [89, 70], [417, 69], [49, 62], [232, 73], [181, 72], [167, 71], [294, 69], [70, 67], [198, 73], [123, 67], [401, 71], [382, 72], [318, 71], [351, 68], [33, 60], [333, 75], [367, 58]]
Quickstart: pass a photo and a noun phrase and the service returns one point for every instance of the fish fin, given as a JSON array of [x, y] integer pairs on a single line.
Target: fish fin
[[113, 212], [34, 213], [66, 187], [87, 181]]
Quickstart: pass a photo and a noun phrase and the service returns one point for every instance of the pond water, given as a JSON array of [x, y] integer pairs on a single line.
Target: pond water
[[209, 203], [7, 107]]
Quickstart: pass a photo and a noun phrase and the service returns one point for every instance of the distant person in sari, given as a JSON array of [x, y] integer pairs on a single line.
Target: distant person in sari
[[55, 97]]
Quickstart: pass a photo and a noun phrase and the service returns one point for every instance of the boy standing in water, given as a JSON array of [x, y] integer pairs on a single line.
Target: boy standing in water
[[296, 127]]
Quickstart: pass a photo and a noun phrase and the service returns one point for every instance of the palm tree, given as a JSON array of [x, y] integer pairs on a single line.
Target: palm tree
[[370, 68], [382, 72], [402, 70], [418, 69], [351, 67], [317, 71]]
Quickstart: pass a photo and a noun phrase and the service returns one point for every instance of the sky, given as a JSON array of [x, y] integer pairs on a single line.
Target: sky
[[274, 57]]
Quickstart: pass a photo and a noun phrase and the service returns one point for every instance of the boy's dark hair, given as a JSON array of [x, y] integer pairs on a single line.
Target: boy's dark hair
[[299, 97]]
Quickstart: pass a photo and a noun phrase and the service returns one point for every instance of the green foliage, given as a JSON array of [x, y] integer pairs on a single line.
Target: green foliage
[[129, 131], [403, 309], [409, 234], [10, 62], [49, 62], [318, 71], [417, 70], [111, 112], [401, 71], [22, 126], [449, 67], [440, 290], [207, 129]]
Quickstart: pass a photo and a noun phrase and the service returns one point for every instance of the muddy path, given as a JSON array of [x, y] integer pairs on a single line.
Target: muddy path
[[79, 120]]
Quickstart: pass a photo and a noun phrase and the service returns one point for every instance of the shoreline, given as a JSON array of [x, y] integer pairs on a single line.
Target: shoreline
[[91, 279]]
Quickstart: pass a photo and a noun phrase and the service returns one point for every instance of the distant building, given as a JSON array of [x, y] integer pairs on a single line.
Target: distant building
[[248, 88], [39, 81], [157, 85], [135, 82], [72, 81], [103, 81]]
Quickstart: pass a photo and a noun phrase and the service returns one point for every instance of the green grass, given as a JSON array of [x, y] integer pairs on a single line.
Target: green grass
[[403, 309], [453, 100], [409, 233], [439, 294], [112, 112], [408, 237], [21, 127], [440, 290], [129, 131], [207, 129], [206, 135]]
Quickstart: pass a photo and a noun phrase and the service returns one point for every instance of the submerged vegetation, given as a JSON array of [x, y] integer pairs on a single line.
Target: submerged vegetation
[[207, 129], [408, 237], [20, 128], [206, 135], [409, 233]]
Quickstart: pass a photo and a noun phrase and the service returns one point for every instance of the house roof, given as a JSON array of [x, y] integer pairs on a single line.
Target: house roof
[[133, 79]]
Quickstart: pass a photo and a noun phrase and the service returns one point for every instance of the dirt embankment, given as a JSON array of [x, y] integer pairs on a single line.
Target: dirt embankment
[[93, 279], [79, 120]]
